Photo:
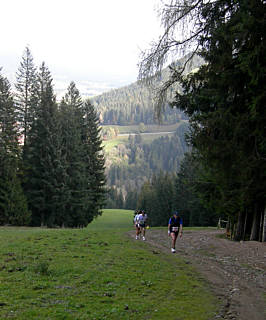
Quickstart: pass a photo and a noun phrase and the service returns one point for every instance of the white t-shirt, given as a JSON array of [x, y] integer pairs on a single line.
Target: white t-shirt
[[136, 218], [142, 218]]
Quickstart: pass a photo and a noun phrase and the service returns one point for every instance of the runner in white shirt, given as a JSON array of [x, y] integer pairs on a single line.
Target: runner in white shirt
[[136, 223], [142, 223]]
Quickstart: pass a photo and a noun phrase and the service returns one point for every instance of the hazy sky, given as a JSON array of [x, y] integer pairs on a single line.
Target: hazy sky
[[79, 40]]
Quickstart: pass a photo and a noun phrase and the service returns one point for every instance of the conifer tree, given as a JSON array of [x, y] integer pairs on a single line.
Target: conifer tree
[[156, 198], [73, 150], [94, 159], [13, 205], [190, 187], [26, 93], [225, 99], [84, 158], [43, 155]]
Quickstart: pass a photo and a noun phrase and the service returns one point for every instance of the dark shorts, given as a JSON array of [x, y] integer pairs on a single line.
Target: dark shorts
[[174, 231], [142, 225]]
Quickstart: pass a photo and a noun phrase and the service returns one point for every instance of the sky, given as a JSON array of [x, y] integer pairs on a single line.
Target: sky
[[96, 44]]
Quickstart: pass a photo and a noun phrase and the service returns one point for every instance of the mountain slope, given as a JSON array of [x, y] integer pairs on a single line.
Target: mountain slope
[[136, 147], [134, 104]]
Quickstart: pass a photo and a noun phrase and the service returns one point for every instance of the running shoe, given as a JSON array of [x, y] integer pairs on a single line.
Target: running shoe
[[143, 238], [137, 237], [173, 250]]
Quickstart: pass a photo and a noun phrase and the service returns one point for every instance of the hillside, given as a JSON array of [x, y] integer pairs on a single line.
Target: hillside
[[134, 104], [133, 158], [136, 146]]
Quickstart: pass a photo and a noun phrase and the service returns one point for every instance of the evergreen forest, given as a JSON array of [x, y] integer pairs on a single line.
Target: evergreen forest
[[62, 161], [136, 160], [51, 159], [135, 104], [224, 174]]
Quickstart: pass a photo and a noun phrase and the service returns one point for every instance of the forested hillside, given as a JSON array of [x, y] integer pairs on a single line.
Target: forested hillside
[[133, 161], [225, 102], [135, 103]]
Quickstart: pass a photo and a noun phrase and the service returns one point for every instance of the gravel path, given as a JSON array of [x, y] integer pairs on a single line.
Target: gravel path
[[236, 271]]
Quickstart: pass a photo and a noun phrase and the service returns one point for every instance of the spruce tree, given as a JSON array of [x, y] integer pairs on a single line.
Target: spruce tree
[[43, 156], [13, 205], [73, 150], [84, 159], [190, 186], [26, 93], [94, 160], [156, 198], [225, 99]]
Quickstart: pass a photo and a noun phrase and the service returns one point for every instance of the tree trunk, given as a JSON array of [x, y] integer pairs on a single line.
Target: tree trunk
[[232, 228], [228, 229], [255, 226], [264, 227], [240, 226], [245, 225], [261, 225]]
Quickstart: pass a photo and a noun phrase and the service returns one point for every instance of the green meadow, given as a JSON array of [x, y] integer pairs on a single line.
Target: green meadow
[[152, 132], [148, 128], [146, 138], [98, 272]]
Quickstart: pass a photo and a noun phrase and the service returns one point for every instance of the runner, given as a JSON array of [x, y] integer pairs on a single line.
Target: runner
[[136, 223], [175, 226], [142, 223]]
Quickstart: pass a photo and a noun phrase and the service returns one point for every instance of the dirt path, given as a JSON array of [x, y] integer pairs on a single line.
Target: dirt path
[[236, 271]]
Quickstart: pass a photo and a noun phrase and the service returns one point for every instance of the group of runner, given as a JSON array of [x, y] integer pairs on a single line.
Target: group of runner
[[140, 221], [175, 226]]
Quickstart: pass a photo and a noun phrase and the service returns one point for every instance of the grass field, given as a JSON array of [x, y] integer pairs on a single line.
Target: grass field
[[95, 273], [110, 144], [148, 137], [148, 128]]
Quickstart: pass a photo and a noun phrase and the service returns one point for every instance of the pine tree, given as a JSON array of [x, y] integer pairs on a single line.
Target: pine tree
[[13, 205], [84, 159], [94, 157], [43, 156], [190, 185], [26, 90], [225, 99], [156, 198], [73, 150]]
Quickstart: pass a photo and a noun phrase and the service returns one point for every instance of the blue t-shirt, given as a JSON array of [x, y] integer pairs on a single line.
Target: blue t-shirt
[[173, 220]]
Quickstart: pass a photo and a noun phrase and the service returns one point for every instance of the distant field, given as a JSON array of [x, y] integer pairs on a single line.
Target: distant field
[[96, 273], [113, 219], [148, 128], [151, 133], [146, 137], [150, 137], [109, 144]]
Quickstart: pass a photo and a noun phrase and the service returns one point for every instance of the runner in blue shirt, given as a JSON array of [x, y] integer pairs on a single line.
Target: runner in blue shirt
[[175, 227]]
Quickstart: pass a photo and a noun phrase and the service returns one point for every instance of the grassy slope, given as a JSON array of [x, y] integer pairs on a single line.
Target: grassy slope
[[148, 128], [95, 273], [110, 144], [162, 130], [151, 132]]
